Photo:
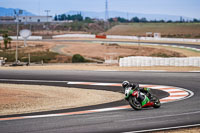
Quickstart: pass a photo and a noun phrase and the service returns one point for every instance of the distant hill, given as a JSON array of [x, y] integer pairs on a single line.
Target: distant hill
[[101, 15], [10, 12]]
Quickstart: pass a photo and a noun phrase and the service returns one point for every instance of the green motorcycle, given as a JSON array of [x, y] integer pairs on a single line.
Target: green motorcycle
[[139, 100]]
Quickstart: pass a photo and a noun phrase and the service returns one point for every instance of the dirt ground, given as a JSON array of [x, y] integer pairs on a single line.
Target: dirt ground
[[18, 99], [101, 51]]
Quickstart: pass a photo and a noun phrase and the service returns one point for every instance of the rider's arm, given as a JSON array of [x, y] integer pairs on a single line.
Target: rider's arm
[[146, 89]]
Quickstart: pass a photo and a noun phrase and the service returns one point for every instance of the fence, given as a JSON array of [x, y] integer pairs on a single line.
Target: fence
[[158, 61]]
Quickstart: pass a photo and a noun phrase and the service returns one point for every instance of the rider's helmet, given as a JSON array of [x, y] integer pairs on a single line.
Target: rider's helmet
[[125, 84]]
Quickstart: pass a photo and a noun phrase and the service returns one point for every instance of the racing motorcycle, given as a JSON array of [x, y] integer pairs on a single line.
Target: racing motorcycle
[[139, 100]]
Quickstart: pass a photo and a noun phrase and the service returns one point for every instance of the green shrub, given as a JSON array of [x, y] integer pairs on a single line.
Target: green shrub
[[77, 58]]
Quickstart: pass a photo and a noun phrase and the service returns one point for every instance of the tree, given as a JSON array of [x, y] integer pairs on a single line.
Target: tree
[[144, 20], [63, 17], [89, 20], [122, 20], [195, 20], [6, 40], [135, 19], [110, 20], [9, 42], [161, 21], [56, 18], [169, 21]]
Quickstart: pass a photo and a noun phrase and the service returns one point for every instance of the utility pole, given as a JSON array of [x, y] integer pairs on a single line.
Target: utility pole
[[127, 16], [17, 13], [106, 11], [47, 14], [47, 25], [39, 7], [106, 16]]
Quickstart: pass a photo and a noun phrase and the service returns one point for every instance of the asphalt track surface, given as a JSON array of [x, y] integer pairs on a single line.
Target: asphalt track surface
[[143, 43], [175, 114]]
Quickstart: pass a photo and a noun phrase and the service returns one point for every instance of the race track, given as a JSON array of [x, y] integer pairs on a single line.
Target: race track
[[174, 114], [132, 42]]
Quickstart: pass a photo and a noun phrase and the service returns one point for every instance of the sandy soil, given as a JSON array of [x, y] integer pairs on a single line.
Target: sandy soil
[[186, 52], [15, 98], [100, 51]]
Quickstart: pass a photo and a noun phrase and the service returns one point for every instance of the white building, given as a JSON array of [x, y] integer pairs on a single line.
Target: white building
[[35, 19]]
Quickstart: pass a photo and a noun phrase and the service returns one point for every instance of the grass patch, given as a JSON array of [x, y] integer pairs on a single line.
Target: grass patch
[[176, 30], [164, 55], [35, 56]]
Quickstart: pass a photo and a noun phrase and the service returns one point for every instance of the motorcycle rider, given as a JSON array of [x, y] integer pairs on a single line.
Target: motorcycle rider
[[146, 91]]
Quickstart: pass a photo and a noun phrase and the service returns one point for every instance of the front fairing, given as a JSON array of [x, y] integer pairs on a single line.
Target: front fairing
[[128, 92]]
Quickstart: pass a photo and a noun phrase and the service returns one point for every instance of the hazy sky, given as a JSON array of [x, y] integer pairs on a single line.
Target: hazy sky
[[189, 8]]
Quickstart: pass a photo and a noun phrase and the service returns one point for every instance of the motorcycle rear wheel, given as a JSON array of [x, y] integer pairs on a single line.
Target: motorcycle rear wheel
[[135, 104]]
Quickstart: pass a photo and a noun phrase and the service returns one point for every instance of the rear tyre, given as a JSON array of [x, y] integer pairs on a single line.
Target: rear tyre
[[156, 101], [135, 104]]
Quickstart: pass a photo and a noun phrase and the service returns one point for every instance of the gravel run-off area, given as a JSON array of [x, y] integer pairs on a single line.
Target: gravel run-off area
[[18, 99]]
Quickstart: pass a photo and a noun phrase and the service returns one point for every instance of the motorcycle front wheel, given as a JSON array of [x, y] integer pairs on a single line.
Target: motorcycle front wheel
[[135, 104], [156, 101]]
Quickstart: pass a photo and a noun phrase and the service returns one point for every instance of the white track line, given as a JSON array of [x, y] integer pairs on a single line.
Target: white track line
[[161, 129]]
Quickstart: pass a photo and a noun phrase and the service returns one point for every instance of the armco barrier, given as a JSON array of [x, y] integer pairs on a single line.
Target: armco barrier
[[101, 36], [20, 38], [75, 35], [129, 38], [152, 38], [158, 61]]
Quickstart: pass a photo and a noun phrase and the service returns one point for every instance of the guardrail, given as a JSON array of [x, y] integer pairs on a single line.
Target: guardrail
[[153, 38], [129, 38], [111, 37], [20, 38], [75, 35], [158, 61]]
